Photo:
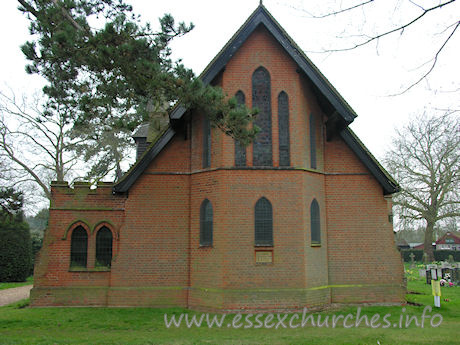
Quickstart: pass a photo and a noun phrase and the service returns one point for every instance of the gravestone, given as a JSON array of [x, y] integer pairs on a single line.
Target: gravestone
[[445, 264], [412, 261], [433, 272]]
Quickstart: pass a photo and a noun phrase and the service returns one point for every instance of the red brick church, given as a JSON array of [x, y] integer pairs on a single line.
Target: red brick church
[[301, 217]]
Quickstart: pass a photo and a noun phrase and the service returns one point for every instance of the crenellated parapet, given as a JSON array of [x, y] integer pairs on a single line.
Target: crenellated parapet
[[84, 196], [88, 210]]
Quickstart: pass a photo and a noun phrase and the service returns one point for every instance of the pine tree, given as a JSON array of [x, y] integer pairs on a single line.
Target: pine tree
[[115, 76]]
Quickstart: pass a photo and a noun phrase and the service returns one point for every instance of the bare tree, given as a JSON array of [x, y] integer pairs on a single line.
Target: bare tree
[[444, 31], [35, 142], [425, 160]]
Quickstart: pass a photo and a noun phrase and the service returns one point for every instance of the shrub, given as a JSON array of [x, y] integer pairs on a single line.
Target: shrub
[[15, 251], [443, 255]]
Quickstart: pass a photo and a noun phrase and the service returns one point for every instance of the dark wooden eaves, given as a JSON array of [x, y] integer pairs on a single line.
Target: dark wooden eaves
[[387, 182], [138, 168]]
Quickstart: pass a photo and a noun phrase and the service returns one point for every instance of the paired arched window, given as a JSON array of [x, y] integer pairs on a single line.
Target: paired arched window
[[104, 241], [283, 128], [206, 223], [206, 142], [240, 150], [312, 142], [315, 224], [263, 215], [261, 99], [79, 247]]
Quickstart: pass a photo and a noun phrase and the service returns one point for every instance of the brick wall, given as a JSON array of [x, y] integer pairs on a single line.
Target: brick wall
[[158, 260], [55, 282], [359, 230]]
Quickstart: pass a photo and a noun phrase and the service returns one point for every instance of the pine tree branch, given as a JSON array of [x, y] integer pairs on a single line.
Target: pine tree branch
[[65, 13], [29, 8], [69, 17]]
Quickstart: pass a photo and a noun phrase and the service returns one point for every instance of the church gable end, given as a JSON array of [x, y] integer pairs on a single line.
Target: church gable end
[[202, 222], [338, 113]]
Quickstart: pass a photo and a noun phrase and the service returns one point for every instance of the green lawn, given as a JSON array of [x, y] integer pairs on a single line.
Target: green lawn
[[4, 286], [22, 325]]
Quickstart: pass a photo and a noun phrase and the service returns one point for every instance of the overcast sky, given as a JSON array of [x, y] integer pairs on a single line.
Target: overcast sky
[[365, 77]]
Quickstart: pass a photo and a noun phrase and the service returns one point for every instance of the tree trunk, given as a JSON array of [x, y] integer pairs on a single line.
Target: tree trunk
[[428, 247]]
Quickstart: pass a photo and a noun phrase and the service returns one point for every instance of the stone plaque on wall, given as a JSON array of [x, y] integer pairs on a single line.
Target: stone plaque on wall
[[264, 257]]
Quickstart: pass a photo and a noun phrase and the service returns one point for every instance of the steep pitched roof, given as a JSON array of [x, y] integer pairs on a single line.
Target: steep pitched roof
[[451, 234], [138, 168], [331, 101], [142, 131], [330, 97], [387, 182]]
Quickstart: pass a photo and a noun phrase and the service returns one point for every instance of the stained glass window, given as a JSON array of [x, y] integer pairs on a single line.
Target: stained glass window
[[312, 142], [206, 219], [263, 223], [261, 99], [206, 142], [79, 247], [315, 222], [104, 241], [283, 128], [240, 150]]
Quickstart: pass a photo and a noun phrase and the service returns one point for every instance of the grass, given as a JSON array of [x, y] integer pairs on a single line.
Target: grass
[[22, 325], [4, 286]]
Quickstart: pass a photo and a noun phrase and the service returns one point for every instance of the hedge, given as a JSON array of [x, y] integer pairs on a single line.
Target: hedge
[[15, 252], [439, 255]]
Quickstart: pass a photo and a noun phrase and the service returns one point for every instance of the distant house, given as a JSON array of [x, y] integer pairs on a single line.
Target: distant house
[[450, 241]]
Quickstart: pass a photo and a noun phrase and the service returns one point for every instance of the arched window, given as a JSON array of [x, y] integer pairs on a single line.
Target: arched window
[[263, 223], [79, 247], [261, 99], [206, 142], [283, 125], [206, 223], [315, 222], [104, 241], [312, 142], [240, 150]]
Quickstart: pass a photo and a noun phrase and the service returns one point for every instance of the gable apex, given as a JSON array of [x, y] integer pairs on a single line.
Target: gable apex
[[261, 16]]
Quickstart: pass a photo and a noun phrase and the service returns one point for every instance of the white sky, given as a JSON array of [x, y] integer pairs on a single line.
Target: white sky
[[364, 76]]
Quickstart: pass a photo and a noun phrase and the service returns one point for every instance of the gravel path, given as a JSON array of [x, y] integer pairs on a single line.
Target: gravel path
[[12, 295]]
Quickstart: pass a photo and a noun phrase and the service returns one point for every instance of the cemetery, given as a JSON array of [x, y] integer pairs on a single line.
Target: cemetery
[[446, 272]]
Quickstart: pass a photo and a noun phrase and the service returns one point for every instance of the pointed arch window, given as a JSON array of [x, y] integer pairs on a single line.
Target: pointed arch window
[[261, 99], [206, 142], [104, 241], [206, 220], [240, 150], [263, 215], [315, 223], [312, 142], [283, 129], [79, 247]]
